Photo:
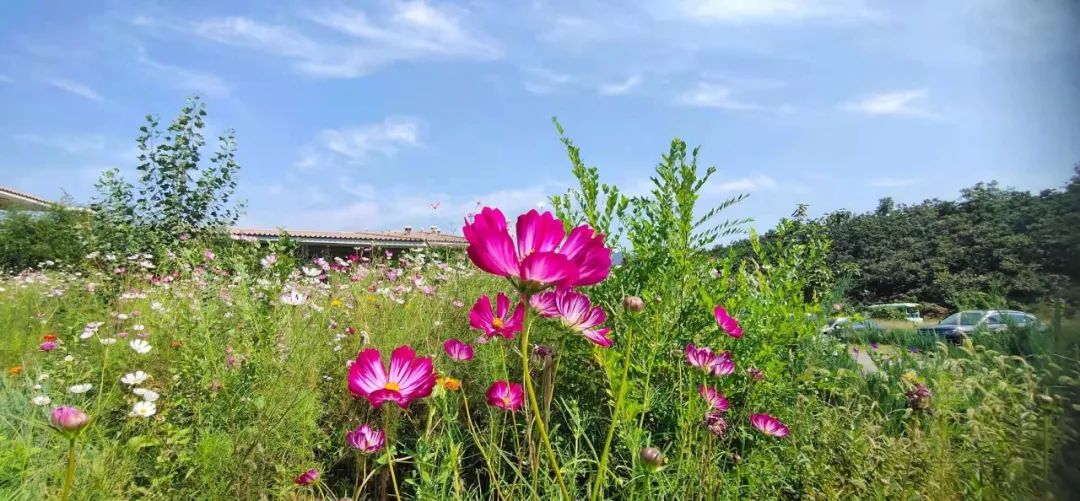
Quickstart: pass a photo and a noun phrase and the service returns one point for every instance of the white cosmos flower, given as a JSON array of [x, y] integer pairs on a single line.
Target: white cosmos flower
[[147, 395], [141, 347], [293, 297], [134, 378], [80, 388], [108, 340], [143, 409], [311, 272], [41, 400]]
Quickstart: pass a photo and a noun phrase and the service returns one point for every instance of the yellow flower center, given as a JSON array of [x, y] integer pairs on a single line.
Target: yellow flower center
[[506, 401], [498, 323], [392, 386]]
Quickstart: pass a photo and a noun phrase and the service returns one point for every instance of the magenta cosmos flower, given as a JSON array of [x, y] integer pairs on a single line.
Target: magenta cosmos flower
[[727, 322], [462, 352], [307, 477], [505, 395], [715, 399], [48, 345], [576, 313], [501, 322], [67, 418], [702, 357], [769, 425], [541, 257], [366, 439], [409, 378]]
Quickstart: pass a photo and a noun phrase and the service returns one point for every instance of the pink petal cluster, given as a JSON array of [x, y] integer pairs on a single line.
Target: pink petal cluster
[[541, 257], [67, 418], [702, 357], [505, 395], [727, 322], [47, 346], [576, 312], [715, 399], [366, 439], [307, 477], [502, 322], [769, 425], [409, 377], [457, 350]]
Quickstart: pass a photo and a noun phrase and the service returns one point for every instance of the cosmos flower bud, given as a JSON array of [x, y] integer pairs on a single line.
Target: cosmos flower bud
[[633, 304], [653, 458], [68, 419]]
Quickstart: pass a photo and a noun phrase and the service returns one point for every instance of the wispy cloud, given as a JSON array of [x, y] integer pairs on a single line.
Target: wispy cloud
[[405, 31], [620, 88], [359, 144], [903, 102], [891, 182], [710, 95], [751, 11], [743, 184], [183, 78], [74, 87], [68, 143], [540, 80]]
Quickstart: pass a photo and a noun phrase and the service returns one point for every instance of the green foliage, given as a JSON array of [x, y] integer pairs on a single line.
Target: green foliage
[[30, 239], [177, 192]]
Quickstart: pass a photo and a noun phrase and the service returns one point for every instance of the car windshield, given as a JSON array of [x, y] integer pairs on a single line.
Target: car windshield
[[963, 318]]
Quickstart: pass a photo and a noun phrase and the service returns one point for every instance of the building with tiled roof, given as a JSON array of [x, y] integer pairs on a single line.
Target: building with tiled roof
[[338, 241], [14, 199]]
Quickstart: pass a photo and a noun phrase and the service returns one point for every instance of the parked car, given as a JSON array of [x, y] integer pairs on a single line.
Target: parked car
[[845, 324], [965, 323]]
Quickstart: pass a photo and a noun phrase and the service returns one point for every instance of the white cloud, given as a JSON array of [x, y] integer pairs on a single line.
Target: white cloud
[[68, 143], [749, 11], [359, 144], [709, 95], [183, 78], [891, 182], [620, 88], [405, 31], [75, 88], [743, 184], [903, 102], [544, 81]]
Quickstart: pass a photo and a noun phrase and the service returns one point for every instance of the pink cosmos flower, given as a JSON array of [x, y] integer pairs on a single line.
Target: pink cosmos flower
[[501, 323], [715, 399], [307, 477], [700, 357], [576, 313], [409, 378], [366, 439], [461, 352], [769, 425], [542, 258], [66, 418], [722, 364], [208, 254], [48, 345], [505, 395], [727, 322]]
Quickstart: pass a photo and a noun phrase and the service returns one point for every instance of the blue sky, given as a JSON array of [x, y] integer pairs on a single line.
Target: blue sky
[[363, 115]]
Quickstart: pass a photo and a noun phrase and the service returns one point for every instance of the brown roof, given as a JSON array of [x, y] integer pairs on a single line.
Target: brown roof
[[412, 238], [17, 197]]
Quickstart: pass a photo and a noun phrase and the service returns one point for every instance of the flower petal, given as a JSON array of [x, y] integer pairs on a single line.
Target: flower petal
[[538, 233]]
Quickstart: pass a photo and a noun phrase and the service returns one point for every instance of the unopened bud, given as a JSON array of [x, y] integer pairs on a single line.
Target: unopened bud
[[66, 418], [633, 304], [653, 458]]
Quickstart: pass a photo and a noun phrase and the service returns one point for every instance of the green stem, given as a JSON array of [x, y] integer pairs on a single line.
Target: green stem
[[600, 474], [69, 475], [479, 446], [390, 452], [534, 404]]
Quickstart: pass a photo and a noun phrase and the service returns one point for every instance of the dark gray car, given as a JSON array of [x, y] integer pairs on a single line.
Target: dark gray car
[[965, 323]]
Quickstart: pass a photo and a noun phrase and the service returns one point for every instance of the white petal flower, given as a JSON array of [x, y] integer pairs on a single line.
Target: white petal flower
[[141, 347], [80, 388], [134, 378], [41, 400], [143, 409], [147, 395], [108, 340]]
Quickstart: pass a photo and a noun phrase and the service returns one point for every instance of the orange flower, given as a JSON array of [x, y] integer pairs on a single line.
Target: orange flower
[[176, 345], [450, 383], [12, 371], [49, 337]]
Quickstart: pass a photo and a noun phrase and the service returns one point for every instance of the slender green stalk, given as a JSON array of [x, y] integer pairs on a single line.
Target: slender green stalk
[[598, 485], [535, 405], [390, 452], [69, 475], [479, 446]]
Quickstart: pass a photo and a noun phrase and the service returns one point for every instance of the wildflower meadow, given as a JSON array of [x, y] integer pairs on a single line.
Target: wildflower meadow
[[593, 351]]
